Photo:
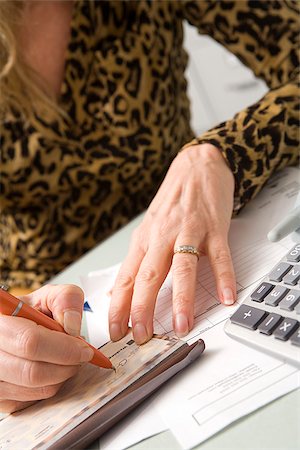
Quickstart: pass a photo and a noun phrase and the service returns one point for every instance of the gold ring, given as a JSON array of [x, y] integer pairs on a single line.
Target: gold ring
[[187, 249]]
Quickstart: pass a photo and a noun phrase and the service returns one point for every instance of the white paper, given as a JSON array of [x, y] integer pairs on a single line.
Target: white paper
[[229, 381], [206, 392], [97, 332], [99, 280]]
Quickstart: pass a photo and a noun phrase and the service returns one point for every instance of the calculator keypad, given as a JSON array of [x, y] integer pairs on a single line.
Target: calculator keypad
[[270, 323], [280, 292], [248, 317], [290, 300], [293, 276], [294, 254], [276, 295], [295, 338], [261, 291], [285, 329], [279, 271]]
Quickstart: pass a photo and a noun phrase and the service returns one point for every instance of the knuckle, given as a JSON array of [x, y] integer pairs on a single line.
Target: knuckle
[[31, 374], [72, 289], [4, 393], [181, 302], [163, 229], [139, 312], [185, 267], [125, 281], [48, 391], [147, 275], [226, 275], [190, 225], [28, 342], [137, 235], [68, 352], [220, 257], [67, 293], [115, 313]]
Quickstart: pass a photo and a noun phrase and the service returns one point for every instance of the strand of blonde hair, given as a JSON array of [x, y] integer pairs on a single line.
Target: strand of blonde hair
[[21, 89]]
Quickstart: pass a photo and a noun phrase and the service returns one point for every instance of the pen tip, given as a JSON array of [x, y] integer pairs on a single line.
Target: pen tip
[[113, 368]]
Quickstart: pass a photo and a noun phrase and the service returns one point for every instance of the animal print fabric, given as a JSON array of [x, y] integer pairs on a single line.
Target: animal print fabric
[[67, 184]]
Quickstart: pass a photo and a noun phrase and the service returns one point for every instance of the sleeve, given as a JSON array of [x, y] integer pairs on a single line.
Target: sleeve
[[264, 137]]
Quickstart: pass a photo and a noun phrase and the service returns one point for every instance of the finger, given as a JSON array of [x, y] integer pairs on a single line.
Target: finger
[[151, 275], [9, 391], [27, 340], [10, 406], [184, 273], [33, 374], [64, 302], [122, 292], [221, 262]]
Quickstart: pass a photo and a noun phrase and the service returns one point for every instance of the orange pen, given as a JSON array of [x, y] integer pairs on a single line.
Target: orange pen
[[12, 306]]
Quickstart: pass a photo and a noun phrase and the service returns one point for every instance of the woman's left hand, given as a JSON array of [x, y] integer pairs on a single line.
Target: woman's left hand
[[192, 207]]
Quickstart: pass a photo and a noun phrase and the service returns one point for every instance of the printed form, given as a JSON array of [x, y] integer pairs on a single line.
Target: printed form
[[231, 379]]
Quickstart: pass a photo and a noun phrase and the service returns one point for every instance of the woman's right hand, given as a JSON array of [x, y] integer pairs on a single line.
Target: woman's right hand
[[35, 361]]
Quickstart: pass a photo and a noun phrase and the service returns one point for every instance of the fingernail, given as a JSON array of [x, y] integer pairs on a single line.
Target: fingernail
[[140, 333], [228, 298], [86, 353], [181, 325], [115, 331], [72, 322]]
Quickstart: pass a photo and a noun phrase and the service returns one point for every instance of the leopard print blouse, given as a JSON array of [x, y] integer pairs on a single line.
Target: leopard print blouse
[[67, 184]]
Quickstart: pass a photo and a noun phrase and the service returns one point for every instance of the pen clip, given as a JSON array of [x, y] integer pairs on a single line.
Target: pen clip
[[4, 287]]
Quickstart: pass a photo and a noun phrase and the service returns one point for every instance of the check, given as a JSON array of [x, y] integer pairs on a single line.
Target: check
[[43, 424]]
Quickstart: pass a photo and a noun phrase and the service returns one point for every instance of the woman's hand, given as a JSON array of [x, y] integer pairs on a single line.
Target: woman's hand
[[192, 207], [35, 361]]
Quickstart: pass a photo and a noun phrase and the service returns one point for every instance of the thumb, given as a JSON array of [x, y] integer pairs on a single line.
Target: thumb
[[63, 302]]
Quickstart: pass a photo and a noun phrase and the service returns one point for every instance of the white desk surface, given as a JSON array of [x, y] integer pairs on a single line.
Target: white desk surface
[[273, 427]]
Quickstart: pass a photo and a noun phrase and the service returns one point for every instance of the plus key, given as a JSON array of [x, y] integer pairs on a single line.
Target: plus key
[[248, 317]]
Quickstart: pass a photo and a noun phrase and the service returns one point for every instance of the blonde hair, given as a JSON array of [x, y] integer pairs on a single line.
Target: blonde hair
[[21, 89]]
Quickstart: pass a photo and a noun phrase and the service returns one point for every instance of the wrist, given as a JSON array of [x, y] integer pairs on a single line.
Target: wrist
[[206, 153], [208, 156]]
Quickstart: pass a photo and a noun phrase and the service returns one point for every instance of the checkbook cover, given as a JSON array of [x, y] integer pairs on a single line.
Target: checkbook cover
[[95, 399]]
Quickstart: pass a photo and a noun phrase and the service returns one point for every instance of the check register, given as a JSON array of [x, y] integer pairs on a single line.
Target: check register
[[269, 318]]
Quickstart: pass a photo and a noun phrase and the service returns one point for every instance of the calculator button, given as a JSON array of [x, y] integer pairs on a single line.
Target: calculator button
[[294, 254], [297, 309], [292, 276], [269, 324], [248, 317], [261, 291], [290, 300], [276, 295], [285, 329], [295, 338], [279, 271]]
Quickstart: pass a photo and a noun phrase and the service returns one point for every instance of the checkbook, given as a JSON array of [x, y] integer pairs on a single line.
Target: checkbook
[[95, 399]]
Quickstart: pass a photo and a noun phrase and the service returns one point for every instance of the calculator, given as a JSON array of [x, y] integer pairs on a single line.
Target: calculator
[[269, 318]]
